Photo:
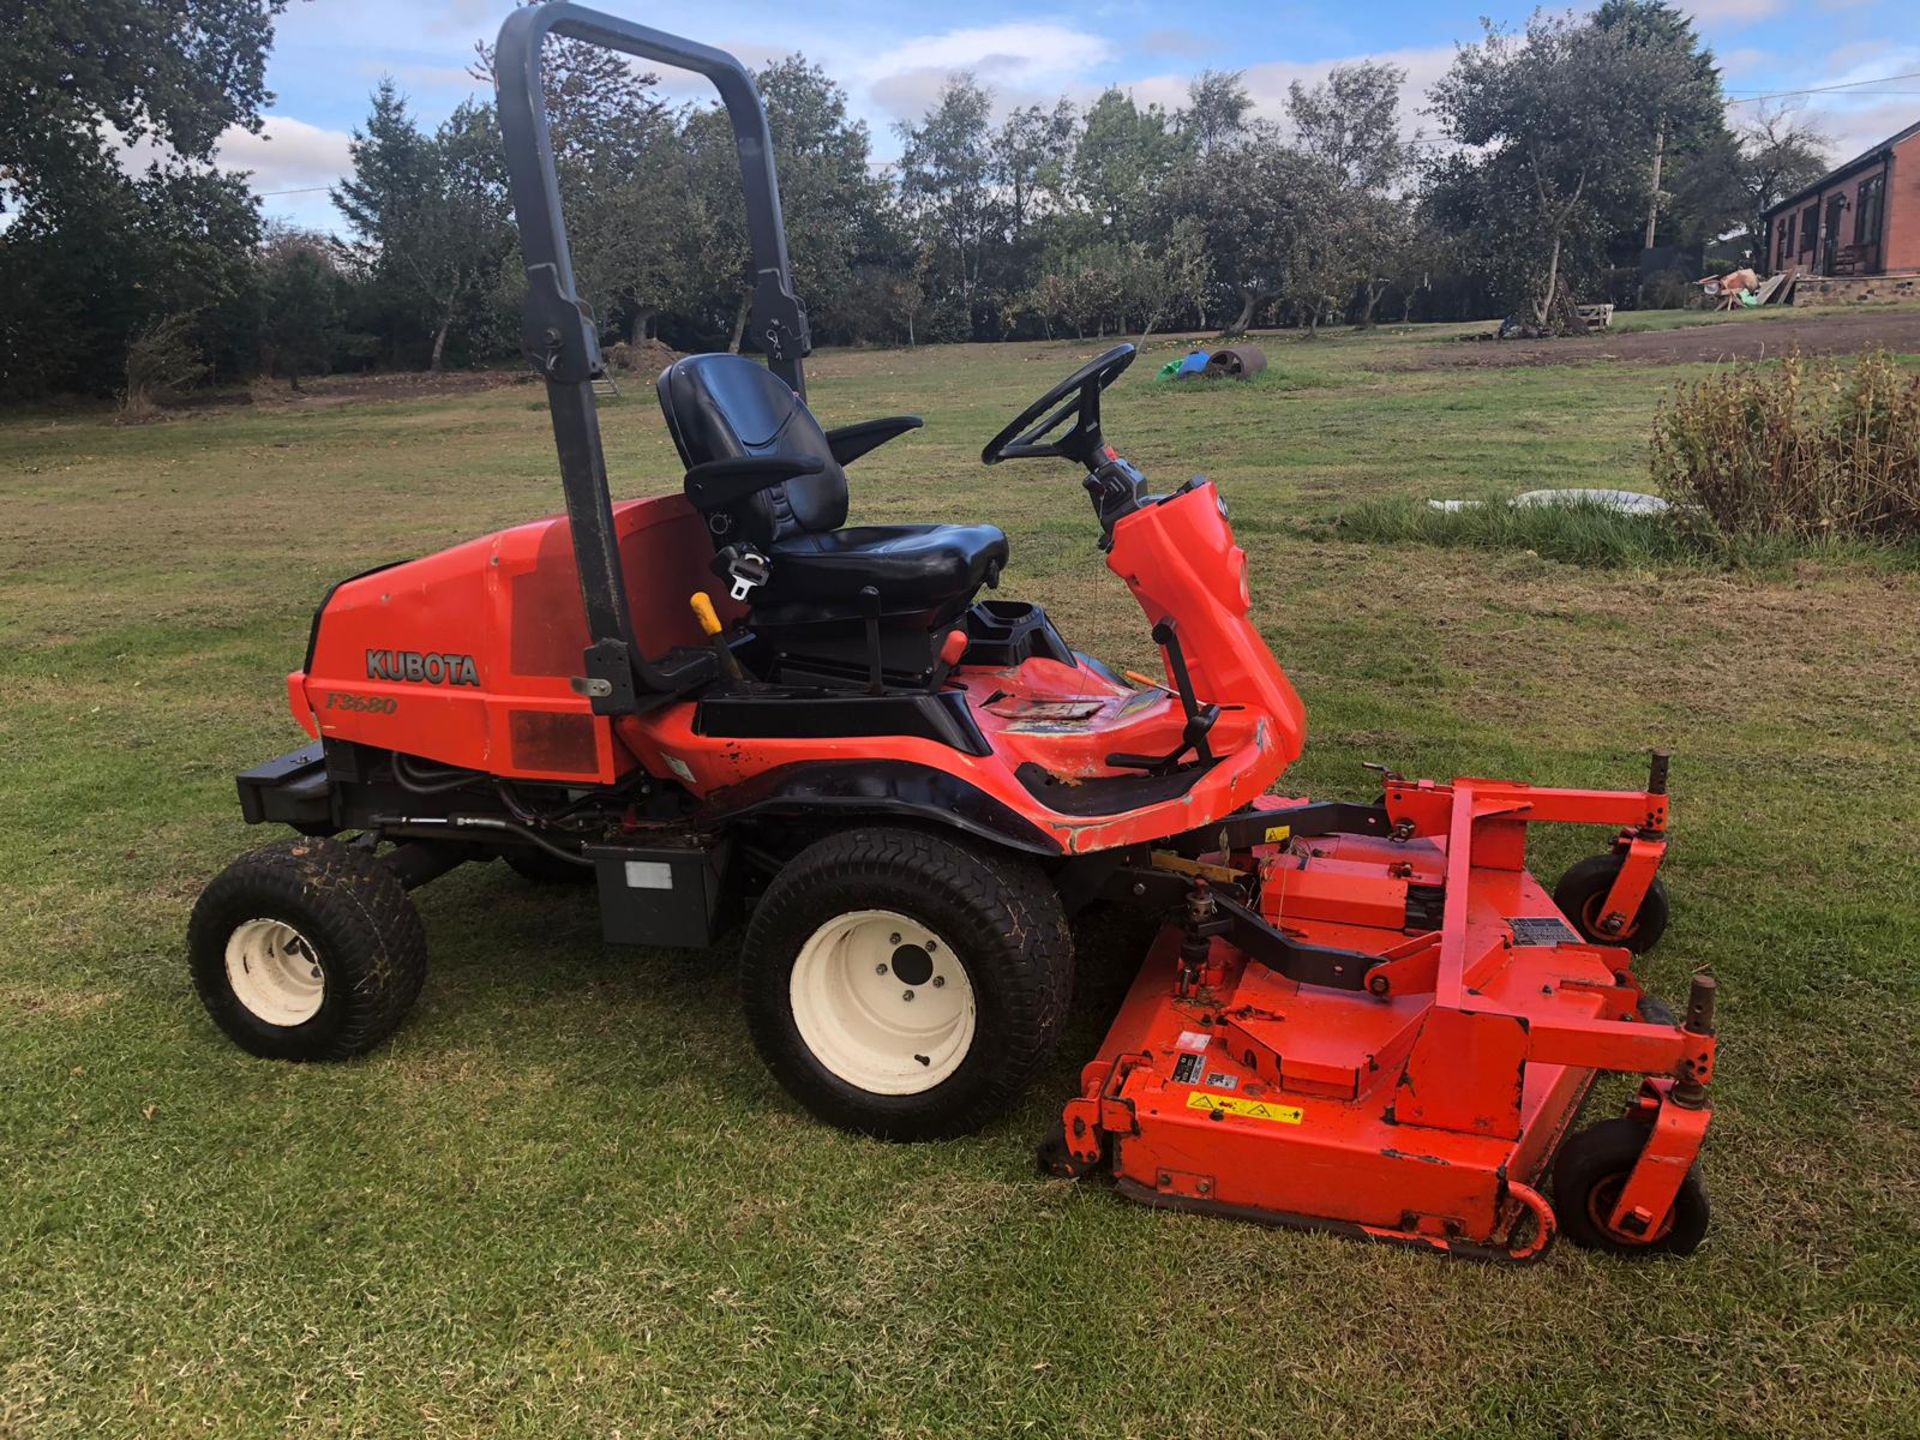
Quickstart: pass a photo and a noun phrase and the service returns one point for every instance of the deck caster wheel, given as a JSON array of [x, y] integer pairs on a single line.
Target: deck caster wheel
[[1587, 1176], [1582, 892], [544, 869], [1656, 1011], [307, 950], [905, 985]]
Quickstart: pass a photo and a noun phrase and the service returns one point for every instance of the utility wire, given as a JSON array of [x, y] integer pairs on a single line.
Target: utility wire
[[1828, 89]]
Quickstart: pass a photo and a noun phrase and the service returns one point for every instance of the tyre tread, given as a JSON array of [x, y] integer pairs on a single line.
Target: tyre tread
[[371, 936]]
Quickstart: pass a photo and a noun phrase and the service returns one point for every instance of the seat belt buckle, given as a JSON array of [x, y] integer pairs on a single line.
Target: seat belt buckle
[[747, 569]]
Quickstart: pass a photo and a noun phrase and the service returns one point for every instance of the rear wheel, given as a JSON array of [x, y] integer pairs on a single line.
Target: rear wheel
[[905, 985], [1588, 1175], [307, 950]]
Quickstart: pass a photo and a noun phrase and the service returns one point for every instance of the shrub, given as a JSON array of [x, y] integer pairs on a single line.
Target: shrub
[[1669, 290], [163, 360], [1815, 450]]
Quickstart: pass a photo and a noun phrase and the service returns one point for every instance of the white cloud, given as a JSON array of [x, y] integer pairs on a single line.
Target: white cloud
[[1268, 82], [1017, 51], [1709, 12], [289, 154], [1858, 128], [1019, 61]]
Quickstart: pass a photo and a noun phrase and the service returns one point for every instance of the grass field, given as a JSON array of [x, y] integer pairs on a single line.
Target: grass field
[[566, 1200]]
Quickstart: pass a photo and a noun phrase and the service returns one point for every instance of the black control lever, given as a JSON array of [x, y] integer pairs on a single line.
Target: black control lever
[[1200, 718]]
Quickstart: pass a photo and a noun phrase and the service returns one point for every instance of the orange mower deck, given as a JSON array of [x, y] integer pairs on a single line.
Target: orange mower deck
[[1426, 1106]]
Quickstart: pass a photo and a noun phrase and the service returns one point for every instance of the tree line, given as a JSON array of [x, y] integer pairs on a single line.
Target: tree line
[[1558, 153]]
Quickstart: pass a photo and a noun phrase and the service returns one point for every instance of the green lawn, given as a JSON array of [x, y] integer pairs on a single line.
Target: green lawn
[[565, 1200]]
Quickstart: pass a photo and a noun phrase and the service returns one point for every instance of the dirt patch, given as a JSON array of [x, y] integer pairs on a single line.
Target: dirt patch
[[643, 361], [36, 1001], [1741, 338]]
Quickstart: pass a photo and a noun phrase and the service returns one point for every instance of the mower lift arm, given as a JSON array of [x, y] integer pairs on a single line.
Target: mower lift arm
[[850, 442]]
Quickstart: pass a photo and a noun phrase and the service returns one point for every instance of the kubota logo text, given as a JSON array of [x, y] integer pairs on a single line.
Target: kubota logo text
[[427, 669]]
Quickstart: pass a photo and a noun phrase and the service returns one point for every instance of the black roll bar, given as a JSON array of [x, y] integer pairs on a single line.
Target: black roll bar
[[560, 335]]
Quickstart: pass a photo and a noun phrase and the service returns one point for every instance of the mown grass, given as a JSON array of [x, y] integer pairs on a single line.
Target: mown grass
[[567, 1201]]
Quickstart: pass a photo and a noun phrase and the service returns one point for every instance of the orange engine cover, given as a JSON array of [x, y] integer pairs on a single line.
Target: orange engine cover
[[466, 657]]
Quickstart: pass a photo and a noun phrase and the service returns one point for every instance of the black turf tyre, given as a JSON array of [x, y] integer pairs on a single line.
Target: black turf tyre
[[1582, 891], [1003, 923], [1587, 1176], [351, 919], [531, 863], [1656, 1011]]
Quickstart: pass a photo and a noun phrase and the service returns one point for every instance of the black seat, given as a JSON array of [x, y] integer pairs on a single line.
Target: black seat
[[726, 407]]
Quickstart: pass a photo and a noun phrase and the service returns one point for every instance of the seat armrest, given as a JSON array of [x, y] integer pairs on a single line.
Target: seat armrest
[[850, 442], [717, 483]]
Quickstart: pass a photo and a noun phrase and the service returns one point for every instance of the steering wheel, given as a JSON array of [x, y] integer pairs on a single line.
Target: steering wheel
[[1026, 438]]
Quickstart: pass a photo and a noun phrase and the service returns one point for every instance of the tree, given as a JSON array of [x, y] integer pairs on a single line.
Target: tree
[[71, 71], [1688, 163], [91, 253], [1254, 207], [1350, 123], [430, 216], [1122, 161], [623, 179], [1031, 153], [948, 197], [1559, 128], [1216, 113], [1351, 120], [1779, 153], [300, 308]]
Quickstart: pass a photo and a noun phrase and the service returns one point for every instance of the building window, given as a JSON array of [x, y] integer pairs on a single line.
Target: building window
[[1809, 227], [1786, 237], [1867, 210]]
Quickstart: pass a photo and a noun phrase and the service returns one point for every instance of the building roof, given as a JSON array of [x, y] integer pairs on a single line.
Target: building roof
[[1839, 172]]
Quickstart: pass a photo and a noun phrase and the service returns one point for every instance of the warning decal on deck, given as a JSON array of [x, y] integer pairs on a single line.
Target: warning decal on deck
[[1276, 834], [1186, 1070], [1544, 931], [1244, 1108]]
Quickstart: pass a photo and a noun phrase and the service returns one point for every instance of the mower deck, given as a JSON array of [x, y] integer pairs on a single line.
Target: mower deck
[[1423, 1101]]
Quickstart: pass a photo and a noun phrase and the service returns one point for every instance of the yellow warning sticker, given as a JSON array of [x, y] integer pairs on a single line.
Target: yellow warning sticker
[[1277, 834], [1244, 1108]]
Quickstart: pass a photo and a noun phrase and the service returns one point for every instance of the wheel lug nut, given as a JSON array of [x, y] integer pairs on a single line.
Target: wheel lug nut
[[938, 981], [933, 945], [893, 939], [879, 969], [907, 996]]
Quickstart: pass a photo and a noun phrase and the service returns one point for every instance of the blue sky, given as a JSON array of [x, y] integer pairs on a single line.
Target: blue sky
[[891, 58]]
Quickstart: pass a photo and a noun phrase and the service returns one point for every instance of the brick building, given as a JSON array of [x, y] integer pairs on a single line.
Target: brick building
[[1859, 220]]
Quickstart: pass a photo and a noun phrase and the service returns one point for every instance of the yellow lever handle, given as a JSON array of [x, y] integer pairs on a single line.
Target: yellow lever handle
[[703, 612]]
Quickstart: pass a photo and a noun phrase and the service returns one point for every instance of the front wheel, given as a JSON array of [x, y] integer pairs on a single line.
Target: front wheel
[[905, 985]]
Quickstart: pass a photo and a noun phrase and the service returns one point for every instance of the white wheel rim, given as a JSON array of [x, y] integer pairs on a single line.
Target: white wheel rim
[[274, 972], [883, 1002]]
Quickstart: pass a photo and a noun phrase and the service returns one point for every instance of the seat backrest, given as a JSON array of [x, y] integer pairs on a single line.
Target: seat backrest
[[721, 407]]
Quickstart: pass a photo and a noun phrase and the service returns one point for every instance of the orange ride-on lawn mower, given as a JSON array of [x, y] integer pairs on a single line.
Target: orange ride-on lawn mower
[[1367, 1017]]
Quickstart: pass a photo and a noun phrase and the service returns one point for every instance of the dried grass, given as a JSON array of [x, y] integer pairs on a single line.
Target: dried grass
[[1814, 450]]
